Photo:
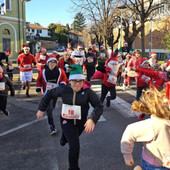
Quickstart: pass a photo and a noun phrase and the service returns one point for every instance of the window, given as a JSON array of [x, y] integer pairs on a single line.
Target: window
[[32, 30], [8, 4], [6, 44], [40, 31], [6, 32]]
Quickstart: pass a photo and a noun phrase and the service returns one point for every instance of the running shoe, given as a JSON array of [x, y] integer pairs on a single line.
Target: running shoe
[[6, 112], [52, 130]]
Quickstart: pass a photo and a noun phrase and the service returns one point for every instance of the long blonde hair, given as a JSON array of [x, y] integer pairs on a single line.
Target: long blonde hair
[[153, 102]]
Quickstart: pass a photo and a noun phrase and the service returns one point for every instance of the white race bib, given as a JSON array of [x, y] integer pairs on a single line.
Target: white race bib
[[102, 55], [42, 57], [112, 79], [11, 67], [27, 66], [71, 111], [51, 86], [89, 59], [2, 86]]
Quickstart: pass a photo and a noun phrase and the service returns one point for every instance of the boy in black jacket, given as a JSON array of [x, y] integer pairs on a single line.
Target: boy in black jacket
[[5, 84]]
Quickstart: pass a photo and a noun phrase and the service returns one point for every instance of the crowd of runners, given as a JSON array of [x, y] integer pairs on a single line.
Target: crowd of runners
[[69, 76]]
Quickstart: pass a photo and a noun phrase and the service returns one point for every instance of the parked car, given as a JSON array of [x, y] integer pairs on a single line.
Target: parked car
[[60, 48]]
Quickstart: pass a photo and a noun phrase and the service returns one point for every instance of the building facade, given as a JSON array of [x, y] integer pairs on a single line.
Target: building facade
[[13, 27]]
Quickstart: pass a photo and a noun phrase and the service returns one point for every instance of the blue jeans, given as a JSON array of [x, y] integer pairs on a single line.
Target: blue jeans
[[147, 166]]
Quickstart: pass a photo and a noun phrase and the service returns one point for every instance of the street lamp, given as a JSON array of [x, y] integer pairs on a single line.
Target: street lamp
[[121, 8]]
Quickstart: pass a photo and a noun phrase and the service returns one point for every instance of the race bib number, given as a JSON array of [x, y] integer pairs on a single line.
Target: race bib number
[[11, 67], [2, 86], [112, 79], [90, 60], [27, 66], [71, 111], [102, 55], [42, 57], [51, 86], [166, 162]]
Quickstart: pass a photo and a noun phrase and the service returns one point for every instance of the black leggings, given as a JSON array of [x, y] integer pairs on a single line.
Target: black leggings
[[104, 92], [49, 111], [3, 102], [72, 133]]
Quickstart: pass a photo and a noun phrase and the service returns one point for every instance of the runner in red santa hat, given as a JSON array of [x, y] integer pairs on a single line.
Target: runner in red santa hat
[[110, 72], [49, 78], [152, 60], [65, 62], [69, 49], [25, 62], [41, 59]]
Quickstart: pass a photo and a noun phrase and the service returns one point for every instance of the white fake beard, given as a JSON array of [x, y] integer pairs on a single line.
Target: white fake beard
[[114, 69]]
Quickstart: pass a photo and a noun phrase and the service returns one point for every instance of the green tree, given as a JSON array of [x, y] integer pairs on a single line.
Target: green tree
[[52, 28], [166, 41], [61, 34], [67, 27], [79, 22]]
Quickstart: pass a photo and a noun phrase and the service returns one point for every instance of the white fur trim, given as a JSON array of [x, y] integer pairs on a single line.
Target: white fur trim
[[50, 59], [113, 62], [168, 68], [76, 76], [26, 48]]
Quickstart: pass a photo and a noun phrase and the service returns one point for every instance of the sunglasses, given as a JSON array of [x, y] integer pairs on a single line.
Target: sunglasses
[[52, 62], [77, 81]]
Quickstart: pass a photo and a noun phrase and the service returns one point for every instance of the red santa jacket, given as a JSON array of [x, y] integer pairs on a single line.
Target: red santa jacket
[[26, 62], [61, 62], [42, 80], [155, 75], [41, 61], [143, 80]]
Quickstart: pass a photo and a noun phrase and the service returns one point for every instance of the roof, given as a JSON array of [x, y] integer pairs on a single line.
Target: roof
[[75, 32], [34, 26]]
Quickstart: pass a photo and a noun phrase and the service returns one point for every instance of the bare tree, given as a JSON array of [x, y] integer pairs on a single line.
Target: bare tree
[[144, 11], [103, 17]]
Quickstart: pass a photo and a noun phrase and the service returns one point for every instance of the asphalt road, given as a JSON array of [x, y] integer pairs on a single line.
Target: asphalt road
[[26, 144]]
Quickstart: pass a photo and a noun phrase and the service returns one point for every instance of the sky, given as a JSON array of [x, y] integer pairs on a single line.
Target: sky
[[45, 12]]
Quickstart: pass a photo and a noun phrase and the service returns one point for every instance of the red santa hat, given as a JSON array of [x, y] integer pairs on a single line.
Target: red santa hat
[[125, 43], [43, 49], [152, 54], [8, 52], [113, 60], [144, 60], [51, 58], [79, 46], [66, 52], [26, 47]]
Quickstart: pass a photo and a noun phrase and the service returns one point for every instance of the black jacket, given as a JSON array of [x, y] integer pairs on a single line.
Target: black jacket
[[83, 98], [3, 57], [8, 85]]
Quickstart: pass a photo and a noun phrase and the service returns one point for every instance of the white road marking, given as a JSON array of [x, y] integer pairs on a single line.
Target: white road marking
[[21, 126], [118, 104]]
